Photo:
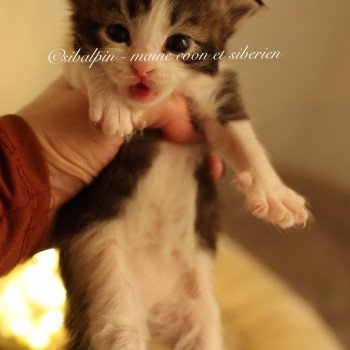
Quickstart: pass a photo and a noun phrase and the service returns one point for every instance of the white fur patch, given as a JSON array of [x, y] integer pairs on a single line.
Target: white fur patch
[[147, 268]]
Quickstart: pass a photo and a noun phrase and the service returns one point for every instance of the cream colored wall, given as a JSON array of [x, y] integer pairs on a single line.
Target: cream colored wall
[[300, 104], [29, 30]]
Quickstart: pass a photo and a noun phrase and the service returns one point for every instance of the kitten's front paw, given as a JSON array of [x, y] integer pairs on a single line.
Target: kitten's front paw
[[114, 116], [272, 200]]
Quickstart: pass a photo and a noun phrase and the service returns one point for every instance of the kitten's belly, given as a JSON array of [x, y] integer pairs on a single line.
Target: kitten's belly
[[156, 232]]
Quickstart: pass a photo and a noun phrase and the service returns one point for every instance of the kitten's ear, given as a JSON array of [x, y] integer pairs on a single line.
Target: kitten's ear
[[240, 9]]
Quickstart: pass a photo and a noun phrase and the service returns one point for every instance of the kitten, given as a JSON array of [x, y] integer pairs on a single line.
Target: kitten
[[138, 260]]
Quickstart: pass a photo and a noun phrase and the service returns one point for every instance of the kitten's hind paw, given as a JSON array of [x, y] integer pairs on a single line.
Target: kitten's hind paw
[[272, 200]]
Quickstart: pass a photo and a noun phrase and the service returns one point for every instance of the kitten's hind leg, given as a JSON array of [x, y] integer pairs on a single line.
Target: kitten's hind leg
[[267, 196], [230, 133], [191, 321], [98, 283]]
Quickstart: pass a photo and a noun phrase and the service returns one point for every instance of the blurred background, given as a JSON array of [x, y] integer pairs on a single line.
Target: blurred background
[[301, 108], [300, 105]]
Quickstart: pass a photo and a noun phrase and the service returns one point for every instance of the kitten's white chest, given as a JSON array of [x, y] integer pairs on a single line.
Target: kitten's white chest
[[155, 235], [145, 271]]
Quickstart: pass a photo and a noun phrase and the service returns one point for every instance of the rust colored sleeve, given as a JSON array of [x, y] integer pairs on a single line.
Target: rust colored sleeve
[[24, 192]]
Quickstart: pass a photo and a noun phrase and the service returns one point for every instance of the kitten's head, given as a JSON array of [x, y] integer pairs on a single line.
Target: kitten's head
[[128, 27]]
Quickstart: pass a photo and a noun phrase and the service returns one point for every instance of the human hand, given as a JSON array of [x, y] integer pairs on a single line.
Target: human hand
[[75, 149]]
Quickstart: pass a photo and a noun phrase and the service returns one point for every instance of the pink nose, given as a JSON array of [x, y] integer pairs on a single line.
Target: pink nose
[[143, 69]]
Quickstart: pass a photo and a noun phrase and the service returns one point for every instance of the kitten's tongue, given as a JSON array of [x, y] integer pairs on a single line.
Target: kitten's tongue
[[141, 92]]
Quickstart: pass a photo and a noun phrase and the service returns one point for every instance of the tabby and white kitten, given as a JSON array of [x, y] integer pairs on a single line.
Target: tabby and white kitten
[[140, 239]]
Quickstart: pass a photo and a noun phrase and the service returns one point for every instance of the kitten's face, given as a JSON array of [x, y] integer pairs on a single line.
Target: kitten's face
[[128, 27]]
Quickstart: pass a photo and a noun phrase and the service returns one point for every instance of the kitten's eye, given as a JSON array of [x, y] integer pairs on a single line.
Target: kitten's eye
[[118, 33], [178, 43]]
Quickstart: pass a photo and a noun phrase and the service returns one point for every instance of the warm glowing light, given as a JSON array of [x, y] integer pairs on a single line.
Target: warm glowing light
[[38, 339], [32, 300], [43, 287], [52, 321], [20, 326], [14, 300], [47, 259]]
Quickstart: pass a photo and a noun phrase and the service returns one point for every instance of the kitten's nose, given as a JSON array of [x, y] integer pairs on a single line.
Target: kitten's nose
[[143, 69]]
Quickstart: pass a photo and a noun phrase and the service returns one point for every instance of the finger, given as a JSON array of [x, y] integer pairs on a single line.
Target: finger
[[180, 131], [216, 167], [174, 119]]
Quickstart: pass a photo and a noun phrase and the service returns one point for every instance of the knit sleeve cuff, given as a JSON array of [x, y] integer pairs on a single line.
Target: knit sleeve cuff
[[24, 192]]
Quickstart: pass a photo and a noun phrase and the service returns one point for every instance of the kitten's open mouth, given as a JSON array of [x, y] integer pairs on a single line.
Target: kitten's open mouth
[[141, 91]]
